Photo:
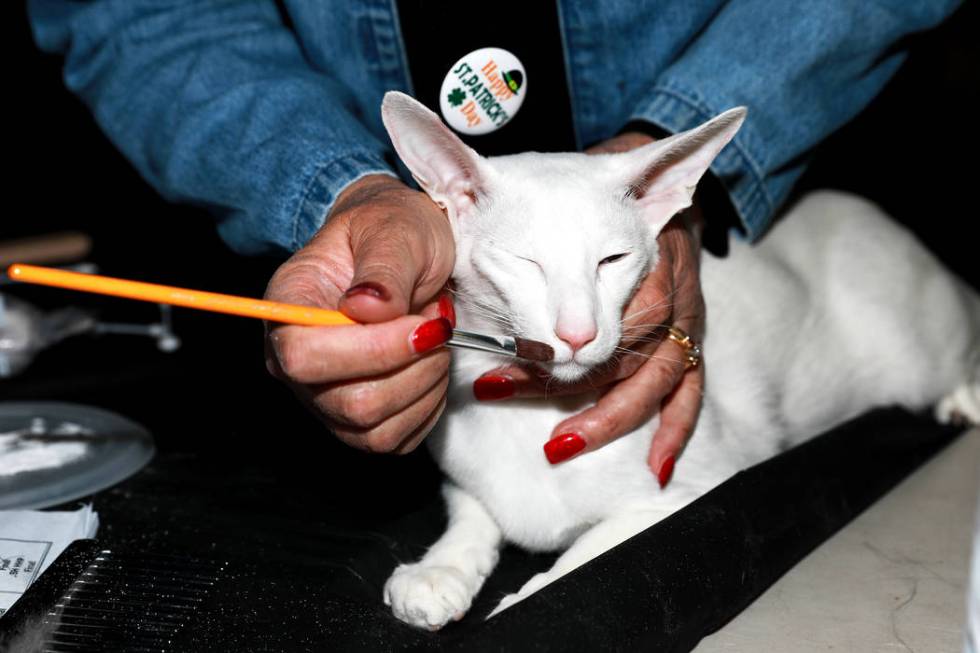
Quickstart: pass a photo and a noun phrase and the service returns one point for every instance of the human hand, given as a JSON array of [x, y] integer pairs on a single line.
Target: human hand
[[651, 376], [382, 257]]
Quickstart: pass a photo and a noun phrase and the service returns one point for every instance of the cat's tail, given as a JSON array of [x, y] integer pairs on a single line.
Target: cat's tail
[[962, 405], [973, 299]]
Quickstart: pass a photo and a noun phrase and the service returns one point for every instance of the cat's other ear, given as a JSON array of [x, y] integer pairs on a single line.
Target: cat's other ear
[[664, 174], [451, 173]]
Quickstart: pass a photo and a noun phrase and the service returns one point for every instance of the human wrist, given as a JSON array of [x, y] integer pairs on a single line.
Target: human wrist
[[622, 142], [648, 129], [365, 189], [381, 204]]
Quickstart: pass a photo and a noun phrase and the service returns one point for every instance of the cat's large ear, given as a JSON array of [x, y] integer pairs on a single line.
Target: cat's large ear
[[662, 175], [450, 172]]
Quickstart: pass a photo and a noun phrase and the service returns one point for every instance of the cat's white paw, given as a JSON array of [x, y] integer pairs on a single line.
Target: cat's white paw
[[962, 406], [428, 596]]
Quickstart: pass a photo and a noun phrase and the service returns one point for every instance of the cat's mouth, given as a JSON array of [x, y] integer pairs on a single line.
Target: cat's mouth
[[569, 366], [567, 369]]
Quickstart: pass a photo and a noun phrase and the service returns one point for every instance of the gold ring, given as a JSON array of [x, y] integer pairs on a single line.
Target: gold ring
[[692, 350]]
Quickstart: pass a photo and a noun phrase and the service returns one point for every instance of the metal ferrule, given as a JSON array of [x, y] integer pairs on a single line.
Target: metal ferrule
[[505, 345]]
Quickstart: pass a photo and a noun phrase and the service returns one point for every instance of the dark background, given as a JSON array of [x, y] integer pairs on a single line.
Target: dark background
[[240, 461]]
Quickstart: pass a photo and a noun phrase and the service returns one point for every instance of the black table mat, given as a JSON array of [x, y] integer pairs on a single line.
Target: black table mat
[[306, 552]]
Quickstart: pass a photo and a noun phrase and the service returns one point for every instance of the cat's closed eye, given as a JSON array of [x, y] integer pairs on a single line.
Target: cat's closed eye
[[530, 260], [613, 258]]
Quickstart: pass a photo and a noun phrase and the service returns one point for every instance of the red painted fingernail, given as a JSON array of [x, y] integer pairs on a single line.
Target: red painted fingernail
[[563, 447], [431, 334], [369, 288], [487, 388], [446, 309], [666, 471]]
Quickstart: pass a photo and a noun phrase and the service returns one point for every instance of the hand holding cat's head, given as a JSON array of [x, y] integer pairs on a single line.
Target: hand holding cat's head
[[552, 246]]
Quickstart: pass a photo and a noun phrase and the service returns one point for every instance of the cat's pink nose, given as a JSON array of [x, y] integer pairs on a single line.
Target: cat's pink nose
[[576, 336]]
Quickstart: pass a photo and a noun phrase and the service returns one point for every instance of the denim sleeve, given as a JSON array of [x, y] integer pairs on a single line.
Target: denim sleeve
[[802, 68], [215, 104]]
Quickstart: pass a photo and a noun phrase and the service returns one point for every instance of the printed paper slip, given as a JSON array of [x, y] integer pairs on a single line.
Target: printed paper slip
[[30, 540], [20, 564]]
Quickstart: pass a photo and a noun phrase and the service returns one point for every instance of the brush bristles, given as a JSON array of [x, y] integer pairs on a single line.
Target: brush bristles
[[533, 350]]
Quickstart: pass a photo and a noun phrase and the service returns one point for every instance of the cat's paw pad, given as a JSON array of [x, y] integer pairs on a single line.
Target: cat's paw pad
[[962, 406], [428, 596]]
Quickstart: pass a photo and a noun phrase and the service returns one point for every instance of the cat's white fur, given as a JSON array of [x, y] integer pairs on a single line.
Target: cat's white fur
[[836, 311]]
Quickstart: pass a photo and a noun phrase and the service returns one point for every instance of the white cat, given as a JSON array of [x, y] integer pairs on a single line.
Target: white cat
[[836, 311]]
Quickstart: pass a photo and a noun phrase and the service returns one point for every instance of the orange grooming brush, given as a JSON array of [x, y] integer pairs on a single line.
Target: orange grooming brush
[[248, 307], [205, 301]]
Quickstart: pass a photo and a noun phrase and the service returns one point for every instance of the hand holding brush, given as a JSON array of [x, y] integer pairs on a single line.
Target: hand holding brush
[[382, 255]]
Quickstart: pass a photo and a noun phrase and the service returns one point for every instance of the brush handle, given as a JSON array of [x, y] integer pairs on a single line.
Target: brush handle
[[230, 304], [205, 301]]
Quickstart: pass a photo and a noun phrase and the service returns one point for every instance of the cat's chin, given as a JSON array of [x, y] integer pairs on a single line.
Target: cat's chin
[[568, 372]]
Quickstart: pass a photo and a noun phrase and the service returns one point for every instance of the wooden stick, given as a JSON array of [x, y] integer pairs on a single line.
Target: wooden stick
[[205, 301], [61, 247]]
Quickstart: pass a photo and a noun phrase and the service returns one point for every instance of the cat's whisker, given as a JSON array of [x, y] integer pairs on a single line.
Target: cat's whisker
[[645, 340], [645, 325], [661, 304], [633, 335], [547, 385], [502, 322], [485, 309], [631, 352], [491, 314], [625, 320]]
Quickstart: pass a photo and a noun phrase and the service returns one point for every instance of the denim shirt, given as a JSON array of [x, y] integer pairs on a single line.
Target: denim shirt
[[266, 111]]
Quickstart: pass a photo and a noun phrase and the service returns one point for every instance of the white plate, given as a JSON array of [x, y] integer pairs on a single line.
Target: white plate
[[115, 448]]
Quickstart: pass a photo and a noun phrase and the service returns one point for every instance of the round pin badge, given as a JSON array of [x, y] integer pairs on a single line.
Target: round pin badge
[[483, 91]]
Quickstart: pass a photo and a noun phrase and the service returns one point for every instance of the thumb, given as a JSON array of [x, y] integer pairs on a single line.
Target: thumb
[[386, 269]]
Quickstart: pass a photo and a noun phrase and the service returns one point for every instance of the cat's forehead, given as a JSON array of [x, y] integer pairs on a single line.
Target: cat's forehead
[[548, 170], [553, 193]]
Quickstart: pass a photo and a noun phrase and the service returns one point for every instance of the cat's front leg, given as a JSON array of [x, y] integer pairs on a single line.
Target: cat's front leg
[[441, 585], [598, 539]]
